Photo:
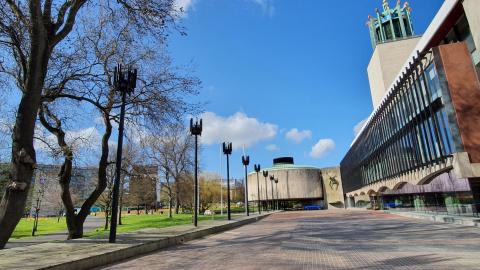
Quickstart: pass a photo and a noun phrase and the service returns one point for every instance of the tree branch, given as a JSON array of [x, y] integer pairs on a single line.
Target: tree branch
[[68, 26]]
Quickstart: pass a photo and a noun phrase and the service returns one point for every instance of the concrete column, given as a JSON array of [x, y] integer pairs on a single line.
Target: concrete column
[[398, 203], [350, 202], [402, 23], [472, 11], [451, 203], [419, 203]]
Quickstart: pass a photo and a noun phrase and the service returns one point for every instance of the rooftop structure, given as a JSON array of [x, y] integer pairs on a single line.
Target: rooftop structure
[[390, 24]]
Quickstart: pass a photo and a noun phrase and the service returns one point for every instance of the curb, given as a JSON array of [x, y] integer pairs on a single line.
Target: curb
[[148, 247]]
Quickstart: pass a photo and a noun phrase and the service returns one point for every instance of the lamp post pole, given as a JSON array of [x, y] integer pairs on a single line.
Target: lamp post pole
[[272, 179], [246, 162], [257, 170], [196, 130], [125, 83], [265, 174], [227, 150]]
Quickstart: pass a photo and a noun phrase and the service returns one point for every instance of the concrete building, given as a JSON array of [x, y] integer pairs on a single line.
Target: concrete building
[[420, 148], [297, 186]]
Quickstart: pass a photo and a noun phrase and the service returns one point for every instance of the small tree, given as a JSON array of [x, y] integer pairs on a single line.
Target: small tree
[[172, 152], [210, 191], [39, 194], [105, 200]]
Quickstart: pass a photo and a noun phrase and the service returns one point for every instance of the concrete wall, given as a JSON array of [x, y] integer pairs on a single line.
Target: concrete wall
[[385, 64], [332, 185], [293, 184], [472, 11]]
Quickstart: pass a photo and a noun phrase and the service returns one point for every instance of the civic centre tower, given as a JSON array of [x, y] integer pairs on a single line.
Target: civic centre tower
[[420, 148]]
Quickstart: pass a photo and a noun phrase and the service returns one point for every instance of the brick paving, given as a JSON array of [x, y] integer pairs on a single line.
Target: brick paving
[[325, 240]]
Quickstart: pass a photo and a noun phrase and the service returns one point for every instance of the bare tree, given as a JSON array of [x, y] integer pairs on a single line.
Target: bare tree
[[172, 151], [39, 195], [159, 98], [31, 31]]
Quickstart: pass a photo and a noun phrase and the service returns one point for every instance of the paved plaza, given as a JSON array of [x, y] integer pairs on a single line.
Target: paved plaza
[[325, 240]]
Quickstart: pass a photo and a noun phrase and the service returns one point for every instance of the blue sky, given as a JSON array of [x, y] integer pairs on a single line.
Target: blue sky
[[270, 66]]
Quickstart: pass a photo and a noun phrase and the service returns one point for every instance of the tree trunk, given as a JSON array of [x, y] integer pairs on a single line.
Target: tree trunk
[[170, 204], [23, 160], [177, 205], [106, 220], [120, 204], [120, 208]]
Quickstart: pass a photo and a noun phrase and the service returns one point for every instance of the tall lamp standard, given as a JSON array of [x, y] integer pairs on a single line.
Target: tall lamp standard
[[265, 174], [125, 83], [276, 186], [246, 162], [257, 170], [196, 130], [227, 150], [272, 179]]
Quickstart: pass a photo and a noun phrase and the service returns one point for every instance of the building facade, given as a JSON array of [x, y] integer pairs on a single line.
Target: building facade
[[420, 148], [297, 186]]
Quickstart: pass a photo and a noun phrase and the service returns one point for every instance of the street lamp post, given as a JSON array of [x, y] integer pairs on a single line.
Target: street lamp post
[[265, 174], [276, 186], [125, 83], [257, 170], [246, 162], [272, 179], [196, 130], [227, 150]]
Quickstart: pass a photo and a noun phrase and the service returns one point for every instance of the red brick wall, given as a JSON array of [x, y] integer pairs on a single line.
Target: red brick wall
[[465, 94]]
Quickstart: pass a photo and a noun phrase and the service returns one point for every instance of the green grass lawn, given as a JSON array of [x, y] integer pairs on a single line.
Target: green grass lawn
[[133, 222], [130, 223], [45, 226]]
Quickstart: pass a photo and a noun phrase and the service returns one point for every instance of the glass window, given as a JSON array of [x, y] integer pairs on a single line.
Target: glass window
[[388, 30], [397, 28], [433, 82], [407, 27], [462, 30]]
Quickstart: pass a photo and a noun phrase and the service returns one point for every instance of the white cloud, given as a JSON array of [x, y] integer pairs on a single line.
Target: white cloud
[[272, 147], [266, 5], [322, 148], [238, 128], [358, 127], [298, 136], [184, 5]]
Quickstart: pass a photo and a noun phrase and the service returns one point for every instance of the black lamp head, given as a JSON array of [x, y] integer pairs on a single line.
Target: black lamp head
[[272, 177], [276, 180], [265, 173], [124, 82], [131, 80], [196, 128], [227, 148], [257, 168], [246, 160]]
